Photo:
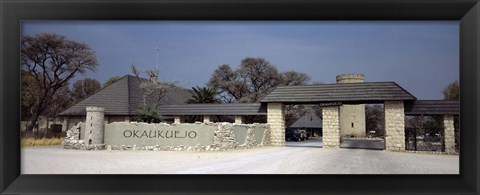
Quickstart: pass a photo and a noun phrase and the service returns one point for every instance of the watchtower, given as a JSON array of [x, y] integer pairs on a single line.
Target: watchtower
[[94, 127], [352, 117]]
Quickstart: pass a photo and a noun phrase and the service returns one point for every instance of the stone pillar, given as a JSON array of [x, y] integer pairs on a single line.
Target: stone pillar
[[276, 120], [239, 119], [394, 126], [206, 119], [94, 126], [449, 134], [331, 127], [178, 119]]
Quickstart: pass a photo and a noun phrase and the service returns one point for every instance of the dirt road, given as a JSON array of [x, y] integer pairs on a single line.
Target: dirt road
[[267, 160]]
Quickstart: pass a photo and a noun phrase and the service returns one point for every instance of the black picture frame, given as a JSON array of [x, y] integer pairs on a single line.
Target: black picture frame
[[466, 11]]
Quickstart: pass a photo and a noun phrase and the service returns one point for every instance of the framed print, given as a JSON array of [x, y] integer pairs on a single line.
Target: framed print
[[20, 16]]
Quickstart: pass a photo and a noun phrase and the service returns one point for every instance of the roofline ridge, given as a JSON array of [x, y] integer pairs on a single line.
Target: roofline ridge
[[101, 89], [415, 98], [60, 114], [313, 85]]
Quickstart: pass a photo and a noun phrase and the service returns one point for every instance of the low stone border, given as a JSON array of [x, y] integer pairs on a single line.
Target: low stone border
[[431, 152], [362, 138], [82, 146], [197, 148]]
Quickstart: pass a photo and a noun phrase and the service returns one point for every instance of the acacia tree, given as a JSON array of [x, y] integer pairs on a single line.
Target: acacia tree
[[153, 92], [52, 61], [228, 84], [293, 78], [84, 88], [29, 95], [254, 79], [452, 91]]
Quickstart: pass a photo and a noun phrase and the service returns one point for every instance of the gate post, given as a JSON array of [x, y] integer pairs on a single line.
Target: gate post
[[394, 126], [449, 134], [331, 126], [276, 120]]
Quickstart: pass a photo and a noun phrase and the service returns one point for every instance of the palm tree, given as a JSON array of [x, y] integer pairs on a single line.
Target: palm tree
[[203, 95]]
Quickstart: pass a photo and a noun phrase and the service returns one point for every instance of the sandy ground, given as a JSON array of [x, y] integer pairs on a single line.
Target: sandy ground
[[267, 160]]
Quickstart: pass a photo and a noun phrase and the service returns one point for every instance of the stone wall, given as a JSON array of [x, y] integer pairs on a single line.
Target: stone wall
[[449, 134], [331, 127], [73, 141], [162, 134], [394, 126], [222, 137], [72, 121], [276, 119]]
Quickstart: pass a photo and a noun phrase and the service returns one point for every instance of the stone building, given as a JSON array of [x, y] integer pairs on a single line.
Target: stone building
[[120, 100], [309, 121]]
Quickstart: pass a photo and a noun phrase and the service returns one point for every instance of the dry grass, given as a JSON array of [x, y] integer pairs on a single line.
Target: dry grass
[[41, 142]]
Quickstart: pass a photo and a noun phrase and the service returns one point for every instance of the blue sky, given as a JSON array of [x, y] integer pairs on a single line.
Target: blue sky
[[421, 56]]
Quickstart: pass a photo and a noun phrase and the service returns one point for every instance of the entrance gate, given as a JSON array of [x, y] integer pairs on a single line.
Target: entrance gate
[[417, 140]]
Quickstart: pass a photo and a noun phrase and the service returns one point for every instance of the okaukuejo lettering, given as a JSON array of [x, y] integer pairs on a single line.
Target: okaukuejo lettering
[[159, 134]]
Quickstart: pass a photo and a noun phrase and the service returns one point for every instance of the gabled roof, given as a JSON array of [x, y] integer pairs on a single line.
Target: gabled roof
[[238, 109], [123, 97], [367, 92], [308, 120], [433, 107]]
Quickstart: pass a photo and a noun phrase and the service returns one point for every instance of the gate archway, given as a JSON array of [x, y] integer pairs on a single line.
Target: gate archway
[[330, 97]]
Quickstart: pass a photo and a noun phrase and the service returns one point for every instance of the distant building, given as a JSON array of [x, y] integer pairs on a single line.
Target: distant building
[[310, 122], [121, 100]]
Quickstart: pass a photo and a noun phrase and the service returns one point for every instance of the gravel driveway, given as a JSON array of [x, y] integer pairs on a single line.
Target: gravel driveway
[[267, 160]]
